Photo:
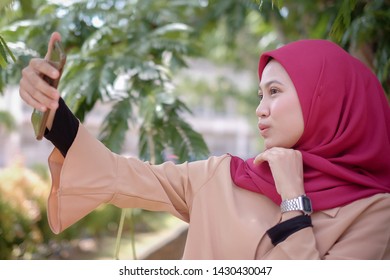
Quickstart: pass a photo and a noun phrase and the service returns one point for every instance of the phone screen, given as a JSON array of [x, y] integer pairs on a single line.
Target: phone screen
[[38, 118]]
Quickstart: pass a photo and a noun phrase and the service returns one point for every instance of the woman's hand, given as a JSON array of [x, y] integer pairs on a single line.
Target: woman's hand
[[287, 170], [34, 90]]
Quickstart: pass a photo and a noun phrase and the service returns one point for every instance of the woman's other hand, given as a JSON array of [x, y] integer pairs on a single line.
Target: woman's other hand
[[287, 170]]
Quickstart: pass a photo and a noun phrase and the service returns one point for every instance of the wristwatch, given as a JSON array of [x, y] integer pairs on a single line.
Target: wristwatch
[[300, 203]]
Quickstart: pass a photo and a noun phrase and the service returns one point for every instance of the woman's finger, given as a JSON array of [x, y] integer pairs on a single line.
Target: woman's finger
[[26, 97], [38, 94], [266, 155], [55, 36], [41, 67], [32, 83], [259, 159]]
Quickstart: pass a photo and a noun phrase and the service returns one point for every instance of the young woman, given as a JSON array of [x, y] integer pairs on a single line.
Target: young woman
[[319, 190]]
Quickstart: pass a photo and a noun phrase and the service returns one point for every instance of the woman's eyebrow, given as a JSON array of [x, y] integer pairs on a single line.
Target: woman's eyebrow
[[267, 84]]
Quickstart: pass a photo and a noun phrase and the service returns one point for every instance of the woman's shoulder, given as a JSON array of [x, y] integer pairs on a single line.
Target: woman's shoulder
[[211, 164]]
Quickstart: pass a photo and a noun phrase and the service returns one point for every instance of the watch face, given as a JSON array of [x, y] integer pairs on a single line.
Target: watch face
[[306, 204]]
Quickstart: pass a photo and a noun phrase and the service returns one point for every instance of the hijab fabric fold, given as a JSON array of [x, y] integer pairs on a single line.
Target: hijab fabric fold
[[345, 145]]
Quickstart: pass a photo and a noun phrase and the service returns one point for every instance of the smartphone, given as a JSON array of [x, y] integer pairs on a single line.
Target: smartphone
[[57, 58]]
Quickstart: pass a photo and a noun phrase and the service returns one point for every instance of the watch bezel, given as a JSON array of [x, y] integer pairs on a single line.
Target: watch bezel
[[306, 205]]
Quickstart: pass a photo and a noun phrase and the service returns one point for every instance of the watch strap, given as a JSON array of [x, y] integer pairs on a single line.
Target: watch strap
[[300, 203]]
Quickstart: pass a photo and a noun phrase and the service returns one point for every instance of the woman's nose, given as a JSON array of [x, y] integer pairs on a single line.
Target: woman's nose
[[262, 110]]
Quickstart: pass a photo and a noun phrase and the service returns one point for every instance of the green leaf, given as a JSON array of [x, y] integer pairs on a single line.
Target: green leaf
[[115, 125], [7, 50], [4, 53], [3, 57], [343, 19]]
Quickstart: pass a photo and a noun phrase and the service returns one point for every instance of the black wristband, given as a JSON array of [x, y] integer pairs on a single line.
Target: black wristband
[[283, 230], [64, 129]]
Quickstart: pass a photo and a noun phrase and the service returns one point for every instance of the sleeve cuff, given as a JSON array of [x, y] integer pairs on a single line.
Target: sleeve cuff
[[281, 231], [73, 195], [64, 129]]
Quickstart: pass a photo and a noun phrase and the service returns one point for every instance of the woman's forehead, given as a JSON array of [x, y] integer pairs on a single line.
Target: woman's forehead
[[273, 72]]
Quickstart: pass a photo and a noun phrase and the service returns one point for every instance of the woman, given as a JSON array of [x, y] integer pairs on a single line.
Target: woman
[[320, 190]]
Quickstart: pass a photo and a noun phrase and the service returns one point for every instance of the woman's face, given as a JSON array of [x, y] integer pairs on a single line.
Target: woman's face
[[280, 116]]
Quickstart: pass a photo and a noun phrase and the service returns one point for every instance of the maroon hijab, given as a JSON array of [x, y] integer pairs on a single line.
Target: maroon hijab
[[346, 141]]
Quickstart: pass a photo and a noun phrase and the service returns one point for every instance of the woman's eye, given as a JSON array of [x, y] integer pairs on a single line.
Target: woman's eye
[[260, 95], [273, 91]]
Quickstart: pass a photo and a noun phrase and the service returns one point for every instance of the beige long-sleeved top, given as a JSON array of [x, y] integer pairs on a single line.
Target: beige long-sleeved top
[[225, 221]]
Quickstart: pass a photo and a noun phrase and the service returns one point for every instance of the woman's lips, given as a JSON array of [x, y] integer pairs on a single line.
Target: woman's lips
[[263, 128]]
